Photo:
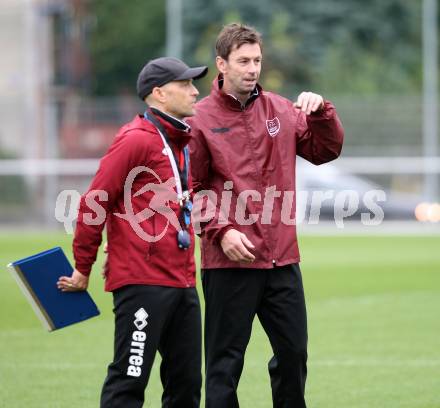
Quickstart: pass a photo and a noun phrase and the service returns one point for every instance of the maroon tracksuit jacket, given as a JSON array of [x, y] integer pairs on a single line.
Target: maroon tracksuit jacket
[[255, 148], [131, 258]]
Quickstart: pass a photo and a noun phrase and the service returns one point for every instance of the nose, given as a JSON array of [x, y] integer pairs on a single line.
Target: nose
[[253, 67], [194, 90]]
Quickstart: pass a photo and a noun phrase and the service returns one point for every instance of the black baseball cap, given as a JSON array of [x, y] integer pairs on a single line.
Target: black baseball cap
[[160, 71]]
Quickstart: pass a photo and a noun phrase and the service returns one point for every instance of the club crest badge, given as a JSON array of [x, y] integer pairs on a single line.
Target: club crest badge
[[273, 126]]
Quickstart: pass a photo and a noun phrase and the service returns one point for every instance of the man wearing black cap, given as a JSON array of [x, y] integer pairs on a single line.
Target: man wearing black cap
[[142, 189]]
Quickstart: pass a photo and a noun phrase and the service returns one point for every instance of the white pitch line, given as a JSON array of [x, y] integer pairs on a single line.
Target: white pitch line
[[54, 366], [377, 362], [374, 298]]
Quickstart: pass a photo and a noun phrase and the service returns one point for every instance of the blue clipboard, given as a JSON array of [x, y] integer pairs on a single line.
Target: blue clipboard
[[37, 276]]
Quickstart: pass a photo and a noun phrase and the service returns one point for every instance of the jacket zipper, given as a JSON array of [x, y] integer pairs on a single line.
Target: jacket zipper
[[269, 233]]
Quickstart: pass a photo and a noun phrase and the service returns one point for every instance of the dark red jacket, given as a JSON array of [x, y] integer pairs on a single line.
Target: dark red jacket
[[255, 147], [132, 259]]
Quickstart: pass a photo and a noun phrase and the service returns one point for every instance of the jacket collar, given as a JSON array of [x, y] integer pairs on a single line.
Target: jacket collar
[[170, 120], [177, 130], [231, 101]]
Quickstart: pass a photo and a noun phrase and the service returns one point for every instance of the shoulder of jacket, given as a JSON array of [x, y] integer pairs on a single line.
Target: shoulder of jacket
[[135, 130], [275, 98], [204, 102], [204, 109]]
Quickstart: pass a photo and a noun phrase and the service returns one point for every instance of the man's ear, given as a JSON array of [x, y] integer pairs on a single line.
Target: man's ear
[[158, 94], [221, 64]]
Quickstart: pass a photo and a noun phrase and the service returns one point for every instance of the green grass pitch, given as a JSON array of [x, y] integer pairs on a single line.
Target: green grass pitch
[[374, 330]]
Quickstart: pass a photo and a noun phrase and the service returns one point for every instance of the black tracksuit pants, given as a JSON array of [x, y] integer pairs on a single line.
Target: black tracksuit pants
[[147, 319], [232, 299]]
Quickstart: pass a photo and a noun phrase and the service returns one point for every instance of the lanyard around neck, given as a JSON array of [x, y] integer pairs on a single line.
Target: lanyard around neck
[[181, 176]]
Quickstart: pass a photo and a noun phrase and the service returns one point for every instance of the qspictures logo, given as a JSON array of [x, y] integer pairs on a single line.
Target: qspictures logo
[[137, 345], [163, 194], [240, 208]]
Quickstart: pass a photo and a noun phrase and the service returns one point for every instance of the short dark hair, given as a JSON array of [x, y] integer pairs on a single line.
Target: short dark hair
[[235, 35]]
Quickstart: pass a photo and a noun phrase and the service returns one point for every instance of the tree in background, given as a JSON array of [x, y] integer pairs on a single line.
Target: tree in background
[[123, 38], [336, 46], [332, 45]]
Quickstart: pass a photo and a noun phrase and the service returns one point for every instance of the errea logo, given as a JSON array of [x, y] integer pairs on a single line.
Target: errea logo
[[141, 318], [273, 126], [137, 345]]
